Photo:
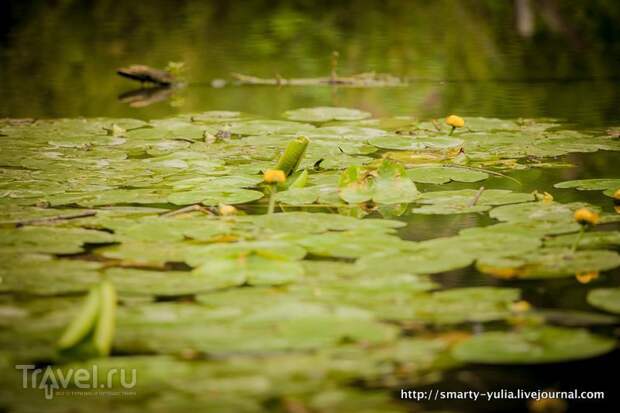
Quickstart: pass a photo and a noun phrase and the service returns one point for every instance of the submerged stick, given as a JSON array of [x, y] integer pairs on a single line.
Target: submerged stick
[[82, 214], [187, 209], [477, 197], [473, 168]]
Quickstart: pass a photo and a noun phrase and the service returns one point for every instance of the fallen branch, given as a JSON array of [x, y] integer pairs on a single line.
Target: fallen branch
[[361, 79]]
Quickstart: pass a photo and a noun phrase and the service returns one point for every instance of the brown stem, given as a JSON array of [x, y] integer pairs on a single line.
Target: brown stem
[[82, 214]]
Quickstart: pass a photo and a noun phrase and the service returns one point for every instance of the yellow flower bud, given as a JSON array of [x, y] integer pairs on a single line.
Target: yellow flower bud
[[273, 176], [226, 210], [617, 195], [455, 121], [584, 216], [521, 306], [586, 277]]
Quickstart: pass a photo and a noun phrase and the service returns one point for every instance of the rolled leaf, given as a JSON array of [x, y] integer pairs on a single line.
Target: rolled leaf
[[104, 331], [292, 156], [79, 328], [300, 181]]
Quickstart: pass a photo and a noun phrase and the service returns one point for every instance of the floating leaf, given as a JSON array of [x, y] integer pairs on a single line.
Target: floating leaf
[[425, 144], [325, 114], [607, 299], [532, 346], [589, 240], [467, 201], [442, 175], [591, 184], [388, 185], [549, 263]]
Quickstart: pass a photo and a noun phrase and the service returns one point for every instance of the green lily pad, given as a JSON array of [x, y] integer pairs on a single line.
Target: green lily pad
[[53, 240], [389, 185], [325, 114], [442, 175], [269, 127], [607, 299], [532, 346], [589, 240], [610, 185], [231, 196], [467, 201], [406, 143], [44, 275], [251, 269], [550, 263]]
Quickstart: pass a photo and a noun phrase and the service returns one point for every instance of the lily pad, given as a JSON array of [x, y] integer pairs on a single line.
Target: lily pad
[[388, 185], [532, 346], [325, 114], [607, 299], [549, 263], [467, 201], [442, 175], [405, 143], [251, 269], [610, 185]]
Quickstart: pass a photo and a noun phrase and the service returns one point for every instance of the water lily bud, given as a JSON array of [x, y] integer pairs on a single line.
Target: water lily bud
[[584, 216], [455, 121], [521, 306], [586, 277], [273, 176], [617, 196], [227, 210]]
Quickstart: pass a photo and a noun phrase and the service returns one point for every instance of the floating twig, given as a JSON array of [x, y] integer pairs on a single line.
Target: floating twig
[[187, 209], [477, 197], [82, 214], [361, 79]]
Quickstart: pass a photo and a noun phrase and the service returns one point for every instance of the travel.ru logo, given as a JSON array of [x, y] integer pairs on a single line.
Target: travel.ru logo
[[52, 379]]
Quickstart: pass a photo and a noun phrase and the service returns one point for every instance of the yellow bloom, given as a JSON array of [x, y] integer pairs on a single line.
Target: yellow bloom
[[617, 195], [521, 306], [584, 216], [273, 176], [586, 277], [226, 210], [455, 121]]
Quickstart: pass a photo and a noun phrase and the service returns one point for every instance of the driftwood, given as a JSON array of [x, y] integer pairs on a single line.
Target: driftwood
[[143, 73], [361, 79]]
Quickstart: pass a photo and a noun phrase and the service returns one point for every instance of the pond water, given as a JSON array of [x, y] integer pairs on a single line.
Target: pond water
[[282, 347]]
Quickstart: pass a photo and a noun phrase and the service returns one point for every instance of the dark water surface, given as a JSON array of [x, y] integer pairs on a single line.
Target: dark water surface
[[57, 58]]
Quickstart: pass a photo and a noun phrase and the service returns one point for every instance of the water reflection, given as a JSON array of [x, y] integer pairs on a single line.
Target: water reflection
[[519, 58]]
